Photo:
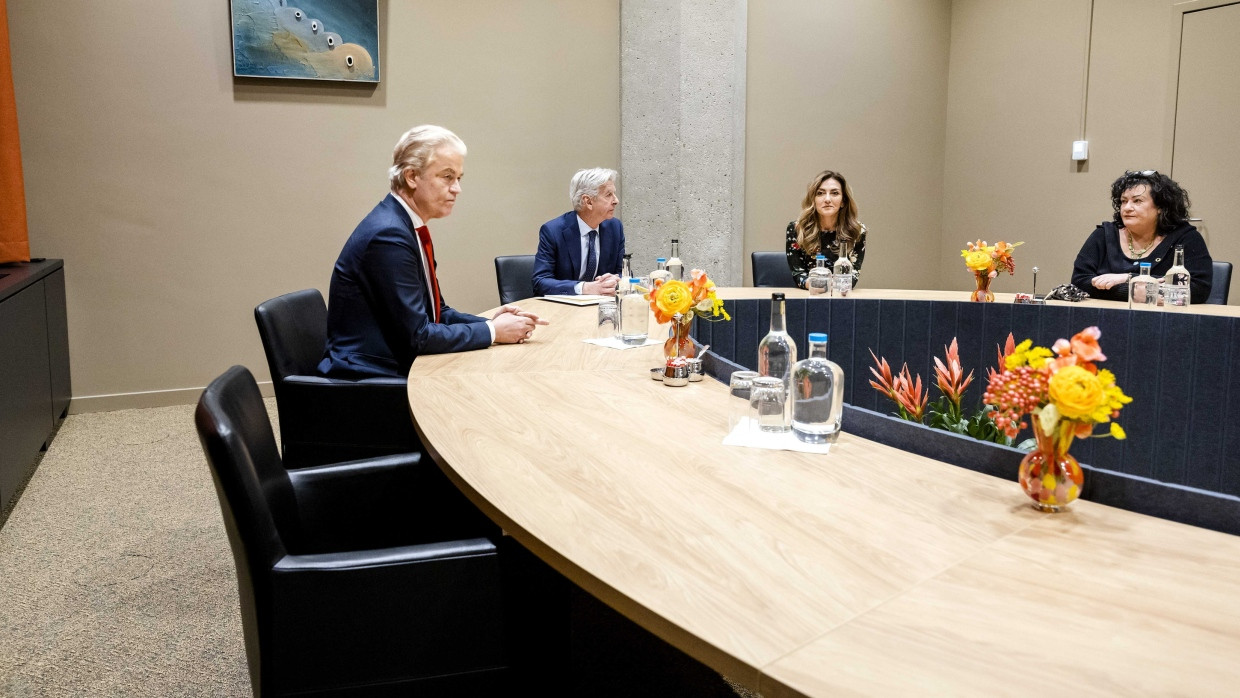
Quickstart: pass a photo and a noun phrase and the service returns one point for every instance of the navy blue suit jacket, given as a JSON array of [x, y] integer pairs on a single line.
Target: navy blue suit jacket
[[557, 265], [380, 316]]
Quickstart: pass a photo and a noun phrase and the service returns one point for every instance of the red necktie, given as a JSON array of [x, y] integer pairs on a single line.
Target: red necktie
[[424, 236]]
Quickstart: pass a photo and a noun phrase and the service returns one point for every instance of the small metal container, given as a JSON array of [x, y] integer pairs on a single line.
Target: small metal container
[[656, 373], [676, 376], [695, 370]]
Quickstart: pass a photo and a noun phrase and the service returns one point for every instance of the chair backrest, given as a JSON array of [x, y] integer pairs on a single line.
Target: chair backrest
[[254, 490], [770, 269], [515, 276], [1220, 286], [293, 328]]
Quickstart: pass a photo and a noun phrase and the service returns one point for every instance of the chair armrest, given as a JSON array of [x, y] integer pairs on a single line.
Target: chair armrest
[[380, 502], [384, 557], [392, 615], [324, 420]]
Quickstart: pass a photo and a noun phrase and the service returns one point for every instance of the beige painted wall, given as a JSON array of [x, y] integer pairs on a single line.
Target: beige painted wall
[[861, 88], [180, 197], [1014, 108]]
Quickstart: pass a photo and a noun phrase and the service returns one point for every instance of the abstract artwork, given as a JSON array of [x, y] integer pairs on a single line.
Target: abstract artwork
[[307, 39]]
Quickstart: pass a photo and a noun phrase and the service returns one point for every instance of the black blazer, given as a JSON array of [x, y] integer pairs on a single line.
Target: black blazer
[[1102, 254]]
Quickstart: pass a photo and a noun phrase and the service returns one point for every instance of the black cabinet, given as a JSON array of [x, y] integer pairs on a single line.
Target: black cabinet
[[34, 366]]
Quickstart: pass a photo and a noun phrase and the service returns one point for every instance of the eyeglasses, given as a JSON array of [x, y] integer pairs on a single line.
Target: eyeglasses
[[1143, 173]]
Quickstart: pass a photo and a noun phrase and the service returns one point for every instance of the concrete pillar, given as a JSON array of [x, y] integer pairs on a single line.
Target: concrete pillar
[[682, 133]]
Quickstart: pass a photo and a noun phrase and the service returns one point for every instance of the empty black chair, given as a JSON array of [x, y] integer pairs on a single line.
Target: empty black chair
[[1220, 285], [353, 578], [326, 420], [515, 276], [770, 269]]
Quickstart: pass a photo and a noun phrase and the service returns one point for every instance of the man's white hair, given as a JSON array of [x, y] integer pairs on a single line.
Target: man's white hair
[[414, 150], [587, 183]]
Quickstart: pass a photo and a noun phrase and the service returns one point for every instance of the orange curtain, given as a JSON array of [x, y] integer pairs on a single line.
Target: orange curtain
[[14, 243]]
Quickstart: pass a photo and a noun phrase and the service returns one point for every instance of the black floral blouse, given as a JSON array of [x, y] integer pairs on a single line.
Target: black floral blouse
[[800, 263]]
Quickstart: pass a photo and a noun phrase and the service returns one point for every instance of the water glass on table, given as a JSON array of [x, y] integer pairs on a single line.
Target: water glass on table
[[608, 319], [739, 387], [767, 401]]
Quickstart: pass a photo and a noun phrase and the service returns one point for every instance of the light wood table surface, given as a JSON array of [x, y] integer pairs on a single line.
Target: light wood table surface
[[869, 570]]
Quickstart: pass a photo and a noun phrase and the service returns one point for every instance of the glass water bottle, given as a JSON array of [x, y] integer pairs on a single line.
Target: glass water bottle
[[634, 315], [818, 282], [660, 273], [674, 266], [1143, 288], [1177, 292], [777, 352], [626, 273], [817, 395], [842, 272]]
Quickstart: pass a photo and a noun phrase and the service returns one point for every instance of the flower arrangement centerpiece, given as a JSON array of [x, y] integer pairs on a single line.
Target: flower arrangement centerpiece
[[697, 297], [948, 413], [986, 261], [1065, 395]]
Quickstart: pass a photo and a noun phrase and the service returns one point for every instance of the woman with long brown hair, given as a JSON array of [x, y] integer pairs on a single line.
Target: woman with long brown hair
[[827, 225]]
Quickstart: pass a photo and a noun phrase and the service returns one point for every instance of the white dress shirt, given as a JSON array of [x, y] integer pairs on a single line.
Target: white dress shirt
[[585, 252], [426, 268]]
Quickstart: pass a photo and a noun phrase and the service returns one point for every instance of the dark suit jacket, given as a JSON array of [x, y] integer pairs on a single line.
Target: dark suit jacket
[[380, 316], [557, 265]]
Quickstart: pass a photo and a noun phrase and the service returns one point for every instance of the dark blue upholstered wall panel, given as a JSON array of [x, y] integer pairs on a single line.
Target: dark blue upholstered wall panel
[[1181, 369]]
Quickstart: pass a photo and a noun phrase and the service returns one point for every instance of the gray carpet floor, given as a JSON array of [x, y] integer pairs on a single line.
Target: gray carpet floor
[[116, 578]]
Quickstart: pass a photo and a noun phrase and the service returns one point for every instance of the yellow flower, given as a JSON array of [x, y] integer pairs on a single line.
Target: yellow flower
[[674, 297], [1117, 431], [977, 260], [1079, 395], [1116, 399], [1027, 354]]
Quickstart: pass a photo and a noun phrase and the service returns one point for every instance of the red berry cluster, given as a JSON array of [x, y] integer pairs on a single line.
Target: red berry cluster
[[1015, 393]]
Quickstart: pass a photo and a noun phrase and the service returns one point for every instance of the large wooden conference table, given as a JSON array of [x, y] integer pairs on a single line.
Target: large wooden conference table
[[869, 570]]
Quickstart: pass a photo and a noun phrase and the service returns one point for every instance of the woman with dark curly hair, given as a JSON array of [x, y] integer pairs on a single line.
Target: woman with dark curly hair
[[827, 225], [1151, 218]]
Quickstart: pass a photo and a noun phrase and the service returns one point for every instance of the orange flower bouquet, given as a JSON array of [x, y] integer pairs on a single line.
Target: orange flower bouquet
[[1065, 395], [986, 261], [698, 297]]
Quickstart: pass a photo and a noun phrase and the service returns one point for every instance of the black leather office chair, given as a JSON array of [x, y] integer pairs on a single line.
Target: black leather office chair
[[353, 578], [515, 276], [770, 269], [1220, 285], [326, 420]]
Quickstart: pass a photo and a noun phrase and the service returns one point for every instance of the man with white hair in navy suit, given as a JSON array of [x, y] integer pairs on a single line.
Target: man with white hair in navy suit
[[582, 251], [385, 307]]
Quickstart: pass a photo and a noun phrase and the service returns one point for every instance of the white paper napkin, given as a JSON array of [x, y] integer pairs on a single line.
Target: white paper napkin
[[743, 435], [616, 343]]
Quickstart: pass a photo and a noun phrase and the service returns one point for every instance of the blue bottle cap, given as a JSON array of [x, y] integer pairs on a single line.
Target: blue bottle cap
[[817, 336], [820, 256], [660, 259]]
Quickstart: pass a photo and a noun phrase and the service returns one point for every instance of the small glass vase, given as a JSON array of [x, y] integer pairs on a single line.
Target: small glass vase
[[679, 335], [982, 294], [1049, 474]]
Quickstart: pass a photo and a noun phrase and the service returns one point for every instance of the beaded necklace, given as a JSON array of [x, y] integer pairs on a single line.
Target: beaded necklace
[[1132, 252]]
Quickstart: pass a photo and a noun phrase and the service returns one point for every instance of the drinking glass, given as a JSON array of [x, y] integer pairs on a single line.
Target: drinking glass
[[1175, 297], [739, 387], [766, 404], [608, 319]]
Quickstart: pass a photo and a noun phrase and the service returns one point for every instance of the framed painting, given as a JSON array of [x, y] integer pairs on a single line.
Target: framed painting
[[306, 39]]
